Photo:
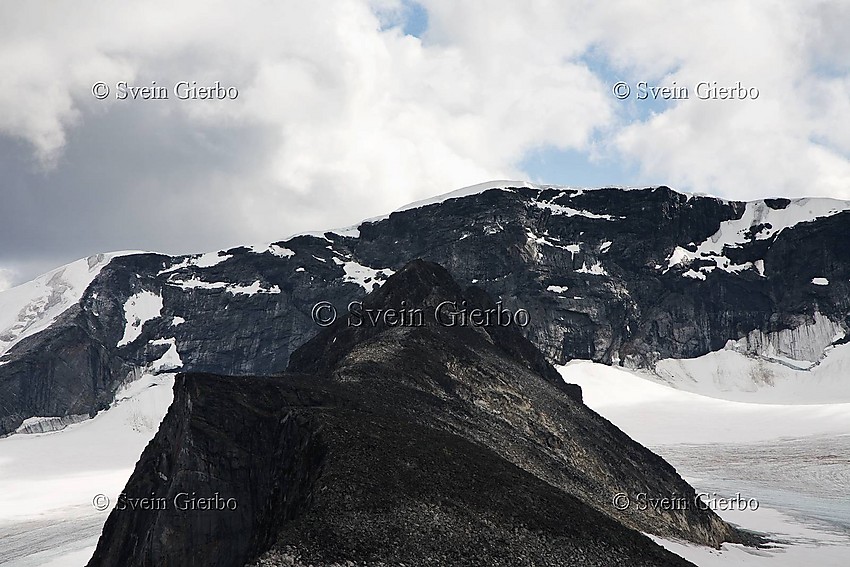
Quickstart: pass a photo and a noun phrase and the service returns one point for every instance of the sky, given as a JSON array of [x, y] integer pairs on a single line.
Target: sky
[[349, 109]]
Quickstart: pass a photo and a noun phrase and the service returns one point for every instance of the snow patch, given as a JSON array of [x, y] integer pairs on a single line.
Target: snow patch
[[195, 283], [273, 249], [573, 249], [210, 259], [820, 281], [364, 276], [557, 288], [170, 360], [570, 212], [594, 269], [252, 289], [348, 231], [233, 289], [206, 260], [138, 310], [758, 222]]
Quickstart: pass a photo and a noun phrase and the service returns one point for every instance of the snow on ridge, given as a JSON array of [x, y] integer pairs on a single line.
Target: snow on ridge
[[353, 231], [273, 249], [758, 222], [33, 306], [205, 260], [507, 185], [138, 310], [470, 190]]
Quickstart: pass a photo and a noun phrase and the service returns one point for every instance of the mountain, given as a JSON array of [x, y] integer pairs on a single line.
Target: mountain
[[687, 288], [414, 442]]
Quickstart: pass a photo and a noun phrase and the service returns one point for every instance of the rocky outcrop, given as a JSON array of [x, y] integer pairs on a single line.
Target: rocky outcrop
[[617, 276], [388, 443], [231, 461]]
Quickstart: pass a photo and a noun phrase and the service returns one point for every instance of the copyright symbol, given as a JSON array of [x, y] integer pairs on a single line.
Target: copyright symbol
[[323, 314], [621, 90], [100, 90], [621, 501], [100, 502]]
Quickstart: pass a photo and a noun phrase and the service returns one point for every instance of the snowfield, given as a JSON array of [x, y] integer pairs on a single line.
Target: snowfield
[[793, 458], [804, 365], [48, 481]]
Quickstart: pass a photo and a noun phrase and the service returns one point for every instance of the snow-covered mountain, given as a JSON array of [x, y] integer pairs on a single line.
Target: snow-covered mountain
[[33, 306], [732, 299]]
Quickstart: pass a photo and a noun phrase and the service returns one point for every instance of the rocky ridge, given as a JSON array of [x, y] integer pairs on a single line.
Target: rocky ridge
[[387, 444], [627, 277]]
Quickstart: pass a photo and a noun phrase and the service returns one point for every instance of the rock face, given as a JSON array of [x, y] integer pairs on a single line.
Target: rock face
[[417, 444], [617, 276]]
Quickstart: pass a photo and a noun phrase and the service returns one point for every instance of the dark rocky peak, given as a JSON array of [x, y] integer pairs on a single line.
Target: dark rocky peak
[[416, 444], [424, 295]]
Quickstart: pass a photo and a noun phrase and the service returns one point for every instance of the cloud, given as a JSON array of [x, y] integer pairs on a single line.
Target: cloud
[[786, 142], [342, 116], [7, 277]]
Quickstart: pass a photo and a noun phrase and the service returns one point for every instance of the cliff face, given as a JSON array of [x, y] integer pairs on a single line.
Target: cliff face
[[233, 459], [617, 276], [423, 444]]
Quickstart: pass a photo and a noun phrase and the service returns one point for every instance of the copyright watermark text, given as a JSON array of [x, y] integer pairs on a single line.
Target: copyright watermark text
[[446, 314], [704, 90], [182, 501], [182, 90], [701, 501]]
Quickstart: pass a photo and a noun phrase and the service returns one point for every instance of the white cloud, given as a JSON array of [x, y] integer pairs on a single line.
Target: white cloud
[[7, 278], [787, 142], [344, 117]]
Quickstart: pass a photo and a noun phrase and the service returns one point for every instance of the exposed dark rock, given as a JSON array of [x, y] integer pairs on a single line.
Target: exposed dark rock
[[418, 445], [617, 303]]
